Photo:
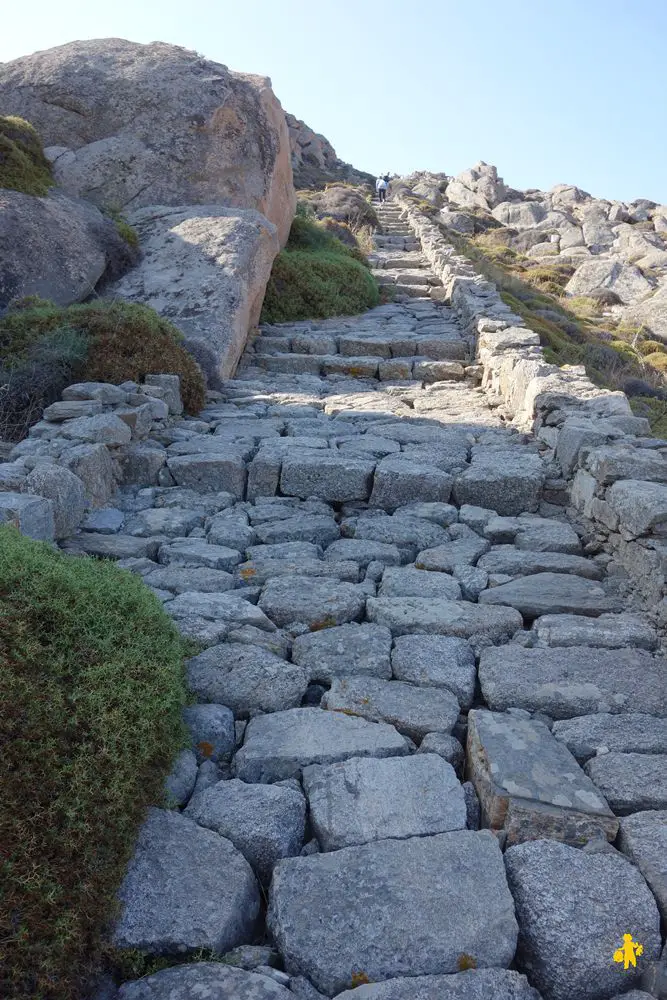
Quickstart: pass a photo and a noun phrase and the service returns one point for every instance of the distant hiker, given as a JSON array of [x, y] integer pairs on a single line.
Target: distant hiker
[[381, 186]]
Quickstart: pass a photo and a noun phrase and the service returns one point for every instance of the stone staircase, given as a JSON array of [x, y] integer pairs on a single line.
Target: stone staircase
[[423, 712]]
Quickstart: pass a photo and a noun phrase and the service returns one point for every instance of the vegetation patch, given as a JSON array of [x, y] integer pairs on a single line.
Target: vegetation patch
[[91, 688], [44, 347], [316, 276], [23, 166], [124, 229]]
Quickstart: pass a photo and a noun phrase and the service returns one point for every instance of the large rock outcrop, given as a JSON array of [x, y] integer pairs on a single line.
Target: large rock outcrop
[[155, 124], [314, 160]]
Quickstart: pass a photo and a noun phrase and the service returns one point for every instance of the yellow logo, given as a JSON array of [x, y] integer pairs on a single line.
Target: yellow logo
[[629, 952]]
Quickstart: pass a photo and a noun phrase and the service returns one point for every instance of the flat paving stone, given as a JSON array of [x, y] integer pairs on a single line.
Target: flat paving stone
[[363, 551], [552, 593], [507, 482], [198, 552], [643, 838], [318, 603], [408, 581], [630, 782], [319, 529], [567, 682], [169, 521], [413, 711], [210, 979], [256, 572], [405, 531], [408, 615], [449, 889], [573, 909], [246, 678], [444, 558], [589, 735], [264, 822], [181, 579], [519, 562], [529, 785], [360, 800], [398, 482], [436, 661], [607, 631], [279, 745], [335, 478], [343, 650], [475, 984], [186, 888], [547, 536]]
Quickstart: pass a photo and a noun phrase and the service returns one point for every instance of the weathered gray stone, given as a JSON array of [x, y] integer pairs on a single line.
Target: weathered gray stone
[[573, 909], [141, 464], [588, 735], [335, 478], [643, 837], [256, 572], [171, 386], [408, 581], [224, 609], [181, 579], [210, 472], [630, 781], [475, 984], [641, 507], [363, 551], [449, 889], [413, 711], [186, 888], [444, 746], [174, 522], [317, 529], [436, 661], [507, 482], [529, 785], [361, 800], [279, 745], [70, 409], [196, 552], [567, 682], [406, 531], [211, 730], [246, 678], [93, 465], [231, 530], [345, 649], [518, 562], [180, 782], [103, 392], [609, 463], [547, 536], [398, 482], [107, 521], [264, 822], [407, 615], [319, 603], [443, 514], [110, 546], [462, 552], [34, 516], [552, 593], [607, 631], [105, 428], [215, 980]]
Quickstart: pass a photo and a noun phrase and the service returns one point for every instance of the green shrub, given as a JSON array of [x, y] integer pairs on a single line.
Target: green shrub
[[91, 688], [124, 229], [651, 347], [23, 166], [658, 360], [122, 341], [316, 284]]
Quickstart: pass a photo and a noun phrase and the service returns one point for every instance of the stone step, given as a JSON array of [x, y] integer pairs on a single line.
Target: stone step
[[385, 276], [413, 291], [367, 367], [445, 345]]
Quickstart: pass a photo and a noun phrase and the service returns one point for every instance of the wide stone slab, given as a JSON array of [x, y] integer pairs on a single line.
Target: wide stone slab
[[407, 615], [529, 785], [568, 682], [186, 888], [362, 799], [573, 909], [216, 981], [508, 482], [641, 507], [345, 649], [448, 890], [643, 837], [630, 781], [181, 579], [436, 661], [520, 562], [335, 478], [444, 558], [206, 473], [317, 529], [398, 481], [318, 603], [552, 593], [412, 710], [198, 552], [264, 822], [278, 746], [475, 984], [246, 678], [607, 631], [589, 735], [407, 581]]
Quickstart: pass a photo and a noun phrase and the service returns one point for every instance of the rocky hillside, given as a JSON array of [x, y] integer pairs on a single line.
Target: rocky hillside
[[314, 160]]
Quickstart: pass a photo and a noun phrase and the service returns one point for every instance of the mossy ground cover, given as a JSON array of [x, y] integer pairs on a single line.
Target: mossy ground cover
[[44, 347], [316, 276], [23, 166], [91, 691]]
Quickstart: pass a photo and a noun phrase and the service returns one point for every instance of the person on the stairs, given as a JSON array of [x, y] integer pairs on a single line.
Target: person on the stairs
[[381, 186]]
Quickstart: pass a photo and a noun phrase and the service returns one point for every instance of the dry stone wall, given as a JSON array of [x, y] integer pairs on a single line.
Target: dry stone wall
[[613, 473]]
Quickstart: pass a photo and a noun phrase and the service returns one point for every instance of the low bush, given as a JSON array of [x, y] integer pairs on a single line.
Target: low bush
[[317, 276], [23, 166], [91, 688], [658, 360], [651, 347], [115, 342]]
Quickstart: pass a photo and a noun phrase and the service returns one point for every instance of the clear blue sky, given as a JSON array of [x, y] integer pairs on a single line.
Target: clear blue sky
[[570, 91]]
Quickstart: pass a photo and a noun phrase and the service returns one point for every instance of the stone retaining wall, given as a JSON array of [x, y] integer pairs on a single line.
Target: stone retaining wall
[[613, 472]]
